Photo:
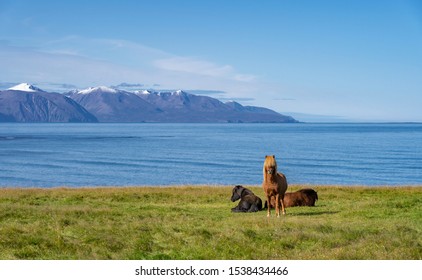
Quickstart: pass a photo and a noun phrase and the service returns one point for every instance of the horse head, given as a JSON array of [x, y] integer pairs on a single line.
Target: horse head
[[270, 165], [237, 193]]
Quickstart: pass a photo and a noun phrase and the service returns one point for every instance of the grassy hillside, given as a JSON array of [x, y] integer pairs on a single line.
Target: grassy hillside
[[195, 222]]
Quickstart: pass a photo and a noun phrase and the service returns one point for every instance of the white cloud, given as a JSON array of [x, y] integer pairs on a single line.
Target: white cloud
[[196, 66]]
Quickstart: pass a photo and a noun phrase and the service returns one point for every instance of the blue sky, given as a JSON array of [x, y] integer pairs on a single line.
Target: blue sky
[[349, 60]]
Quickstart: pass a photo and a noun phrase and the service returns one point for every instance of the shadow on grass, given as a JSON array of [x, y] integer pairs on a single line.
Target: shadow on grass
[[315, 213]]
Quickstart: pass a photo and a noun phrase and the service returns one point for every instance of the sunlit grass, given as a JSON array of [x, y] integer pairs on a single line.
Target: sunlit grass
[[195, 222]]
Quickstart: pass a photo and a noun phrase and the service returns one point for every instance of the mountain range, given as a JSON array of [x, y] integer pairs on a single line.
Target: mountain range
[[27, 103]]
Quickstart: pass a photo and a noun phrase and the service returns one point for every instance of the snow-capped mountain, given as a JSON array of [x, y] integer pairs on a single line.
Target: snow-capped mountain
[[26, 87], [99, 89], [27, 103]]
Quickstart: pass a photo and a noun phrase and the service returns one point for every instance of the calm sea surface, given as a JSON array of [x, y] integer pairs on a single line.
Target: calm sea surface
[[47, 155]]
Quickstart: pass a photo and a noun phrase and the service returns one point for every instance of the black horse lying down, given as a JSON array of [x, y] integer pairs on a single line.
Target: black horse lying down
[[249, 202]]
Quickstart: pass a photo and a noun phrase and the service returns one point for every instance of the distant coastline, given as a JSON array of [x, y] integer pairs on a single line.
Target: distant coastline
[[27, 103]]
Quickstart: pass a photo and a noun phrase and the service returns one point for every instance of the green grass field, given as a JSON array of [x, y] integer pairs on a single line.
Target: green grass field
[[195, 222]]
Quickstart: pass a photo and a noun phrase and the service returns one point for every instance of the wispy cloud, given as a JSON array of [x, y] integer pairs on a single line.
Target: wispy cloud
[[131, 54], [35, 66], [195, 66], [285, 99]]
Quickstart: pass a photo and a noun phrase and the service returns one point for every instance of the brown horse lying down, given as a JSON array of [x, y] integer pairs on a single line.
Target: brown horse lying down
[[249, 202], [303, 197]]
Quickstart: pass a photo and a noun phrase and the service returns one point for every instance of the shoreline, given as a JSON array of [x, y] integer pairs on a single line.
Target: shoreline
[[294, 186]]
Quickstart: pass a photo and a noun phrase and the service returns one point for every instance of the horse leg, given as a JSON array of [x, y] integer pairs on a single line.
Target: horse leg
[[277, 205], [282, 204], [269, 206]]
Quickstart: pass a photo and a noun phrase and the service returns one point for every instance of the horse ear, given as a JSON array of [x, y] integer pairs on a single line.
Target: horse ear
[[273, 156]]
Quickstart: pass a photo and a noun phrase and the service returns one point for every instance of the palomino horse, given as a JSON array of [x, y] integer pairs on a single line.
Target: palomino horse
[[274, 185]]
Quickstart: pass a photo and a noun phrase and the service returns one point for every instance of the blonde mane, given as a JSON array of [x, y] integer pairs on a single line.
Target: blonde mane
[[270, 162]]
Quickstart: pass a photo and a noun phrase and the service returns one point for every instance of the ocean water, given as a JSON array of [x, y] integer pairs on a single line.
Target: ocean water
[[75, 155]]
